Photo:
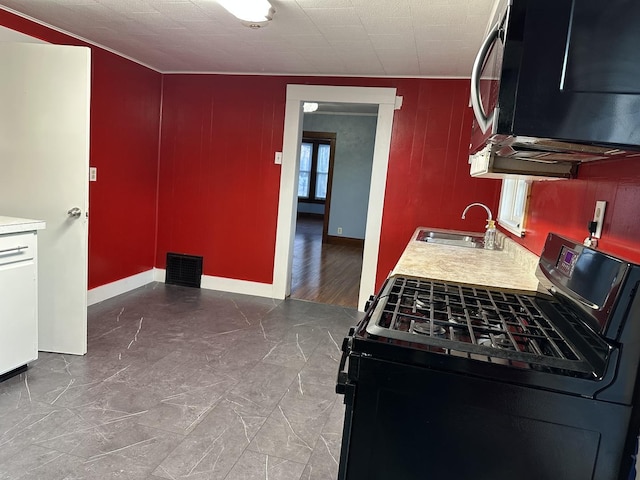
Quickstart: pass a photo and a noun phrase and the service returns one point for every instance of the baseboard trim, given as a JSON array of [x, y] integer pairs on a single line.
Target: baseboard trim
[[346, 241], [315, 216], [113, 289], [227, 285]]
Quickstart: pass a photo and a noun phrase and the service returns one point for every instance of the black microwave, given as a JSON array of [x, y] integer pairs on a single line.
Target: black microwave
[[559, 81]]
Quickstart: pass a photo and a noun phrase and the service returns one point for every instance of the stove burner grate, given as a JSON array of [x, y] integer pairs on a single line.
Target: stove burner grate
[[476, 321]]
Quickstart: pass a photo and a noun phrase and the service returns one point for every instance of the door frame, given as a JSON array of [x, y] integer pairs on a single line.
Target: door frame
[[385, 98]]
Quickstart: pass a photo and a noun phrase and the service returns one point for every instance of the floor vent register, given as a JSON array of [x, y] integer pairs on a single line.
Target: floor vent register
[[185, 270]]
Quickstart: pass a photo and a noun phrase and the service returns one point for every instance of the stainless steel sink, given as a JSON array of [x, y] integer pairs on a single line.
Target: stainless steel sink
[[454, 239]]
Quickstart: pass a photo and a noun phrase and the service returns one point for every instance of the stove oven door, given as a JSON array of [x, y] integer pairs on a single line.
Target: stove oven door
[[421, 424]]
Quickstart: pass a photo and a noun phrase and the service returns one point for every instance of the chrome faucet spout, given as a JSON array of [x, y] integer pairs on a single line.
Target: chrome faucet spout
[[479, 205]]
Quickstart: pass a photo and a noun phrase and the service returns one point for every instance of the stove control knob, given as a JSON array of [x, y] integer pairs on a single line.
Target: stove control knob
[[346, 344], [368, 303]]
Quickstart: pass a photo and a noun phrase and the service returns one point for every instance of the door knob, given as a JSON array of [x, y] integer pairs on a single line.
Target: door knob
[[75, 212]]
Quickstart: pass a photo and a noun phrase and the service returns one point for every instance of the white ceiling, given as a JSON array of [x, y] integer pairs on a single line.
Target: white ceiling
[[414, 38]]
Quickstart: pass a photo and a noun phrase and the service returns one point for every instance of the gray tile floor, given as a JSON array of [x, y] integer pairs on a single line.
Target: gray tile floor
[[183, 383]]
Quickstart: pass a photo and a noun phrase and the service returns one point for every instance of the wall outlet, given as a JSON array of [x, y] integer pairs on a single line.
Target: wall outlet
[[598, 217], [339, 230]]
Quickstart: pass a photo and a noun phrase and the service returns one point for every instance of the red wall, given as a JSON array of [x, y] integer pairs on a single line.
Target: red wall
[[566, 207], [125, 116], [125, 124], [219, 185]]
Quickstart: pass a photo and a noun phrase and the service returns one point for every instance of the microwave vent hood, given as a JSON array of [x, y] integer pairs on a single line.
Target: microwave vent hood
[[487, 163], [559, 81], [551, 151]]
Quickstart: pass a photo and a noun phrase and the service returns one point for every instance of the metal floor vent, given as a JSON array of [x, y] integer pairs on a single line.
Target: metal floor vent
[[185, 270]]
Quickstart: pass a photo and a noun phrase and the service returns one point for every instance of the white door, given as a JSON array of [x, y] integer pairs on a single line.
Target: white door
[[44, 169]]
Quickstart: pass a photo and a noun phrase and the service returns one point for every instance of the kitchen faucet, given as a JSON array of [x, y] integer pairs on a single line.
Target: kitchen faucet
[[490, 232], [480, 205]]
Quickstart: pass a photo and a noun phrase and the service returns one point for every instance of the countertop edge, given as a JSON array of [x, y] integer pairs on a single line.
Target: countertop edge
[[10, 225]]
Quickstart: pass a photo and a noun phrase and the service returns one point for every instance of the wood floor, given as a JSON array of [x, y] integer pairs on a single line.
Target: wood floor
[[324, 273]]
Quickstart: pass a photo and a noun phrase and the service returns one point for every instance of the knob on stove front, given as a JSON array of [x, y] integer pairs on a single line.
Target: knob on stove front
[[368, 303]]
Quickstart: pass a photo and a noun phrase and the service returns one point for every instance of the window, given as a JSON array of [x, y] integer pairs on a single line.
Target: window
[[513, 205], [313, 180]]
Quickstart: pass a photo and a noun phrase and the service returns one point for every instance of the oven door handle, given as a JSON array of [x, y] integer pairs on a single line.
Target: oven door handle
[[342, 382]]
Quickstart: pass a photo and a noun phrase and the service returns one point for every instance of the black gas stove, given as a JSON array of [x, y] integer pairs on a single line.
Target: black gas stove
[[550, 371], [481, 324]]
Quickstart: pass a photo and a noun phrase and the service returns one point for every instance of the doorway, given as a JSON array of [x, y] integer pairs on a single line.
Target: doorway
[[315, 178], [385, 98]]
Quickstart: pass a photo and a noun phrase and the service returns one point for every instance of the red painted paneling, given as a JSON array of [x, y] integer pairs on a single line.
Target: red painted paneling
[[125, 117], [125, 123], [565, 207], [219, 185]]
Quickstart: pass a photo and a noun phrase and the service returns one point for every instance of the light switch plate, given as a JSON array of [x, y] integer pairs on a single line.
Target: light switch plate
[[598, 217], [93, 174], [278, 158]]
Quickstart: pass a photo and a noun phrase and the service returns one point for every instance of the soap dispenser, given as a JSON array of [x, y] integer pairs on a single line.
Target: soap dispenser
[[490, 235]]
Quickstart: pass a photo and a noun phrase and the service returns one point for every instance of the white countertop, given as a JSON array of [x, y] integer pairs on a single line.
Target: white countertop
[[511, 268], [17, 225]]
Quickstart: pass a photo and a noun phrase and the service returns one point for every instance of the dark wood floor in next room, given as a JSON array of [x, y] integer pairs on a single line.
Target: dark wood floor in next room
[[323, 272]]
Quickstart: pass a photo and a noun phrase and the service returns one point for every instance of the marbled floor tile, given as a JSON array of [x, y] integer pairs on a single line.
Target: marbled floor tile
[[261, 389], [16, 461], [294, 348], [325, 458], [110, 401], [40, 385], [112, 468], [173, 374], [257, 466], [181, 413], [335, 422], [322, 366], [30, 425], [292, 429], [323, 464], [15, 393], [247, 347], [212, 449], [119, 440]]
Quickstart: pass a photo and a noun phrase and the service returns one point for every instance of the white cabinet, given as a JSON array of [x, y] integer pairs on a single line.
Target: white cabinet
[[18, 299]]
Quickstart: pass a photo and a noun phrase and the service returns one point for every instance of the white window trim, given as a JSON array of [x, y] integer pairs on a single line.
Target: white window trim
[[514, 199]]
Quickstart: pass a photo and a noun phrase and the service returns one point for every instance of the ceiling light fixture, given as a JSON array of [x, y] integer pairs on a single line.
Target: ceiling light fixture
[[253, 13], [308, 107]]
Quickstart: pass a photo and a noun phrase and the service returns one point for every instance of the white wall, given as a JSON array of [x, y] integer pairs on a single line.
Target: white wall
[[355, 137]]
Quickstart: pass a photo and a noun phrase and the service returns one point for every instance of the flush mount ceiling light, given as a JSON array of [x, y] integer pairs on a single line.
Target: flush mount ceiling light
[[308, 107], [253, 13]]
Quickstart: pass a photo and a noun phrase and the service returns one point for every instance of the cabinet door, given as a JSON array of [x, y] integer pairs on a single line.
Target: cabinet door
[[18, 321]]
